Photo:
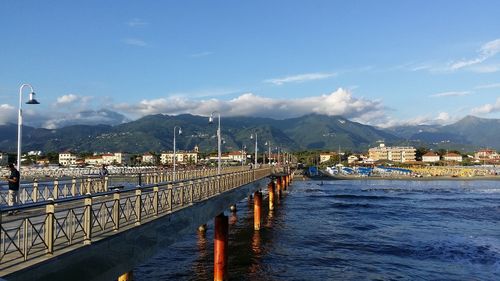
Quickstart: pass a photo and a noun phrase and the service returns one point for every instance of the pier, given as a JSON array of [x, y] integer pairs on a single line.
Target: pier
[[103, 235]]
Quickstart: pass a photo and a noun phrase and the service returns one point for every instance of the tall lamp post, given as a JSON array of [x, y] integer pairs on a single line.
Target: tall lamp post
[[175, 157], [243, 148], [210, 121], [268, 143], [32, 100], [256, 148]]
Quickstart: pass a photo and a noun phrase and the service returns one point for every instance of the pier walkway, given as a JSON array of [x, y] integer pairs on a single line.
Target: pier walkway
[[111, 231]]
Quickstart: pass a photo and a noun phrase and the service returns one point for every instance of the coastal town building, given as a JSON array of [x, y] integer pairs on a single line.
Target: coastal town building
[[396, 153], [4, 159], [67, 158], [238, 156], [95, 160], [487, 155], [181, 157], [431, 157], [148, 158], [324, 157], [452, 157], [352, 159], [118, 158]]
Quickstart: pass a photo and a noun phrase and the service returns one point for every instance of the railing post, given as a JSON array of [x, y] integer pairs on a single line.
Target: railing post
[[34, 194], [88, 186], [49, 226], [218, 183], [156, 202], [25, 240], [191, 184], [87, 221], [116, 209], [181, 196], [73, 186], [170, 196], [55, 191], [138, 207], [105, 183]]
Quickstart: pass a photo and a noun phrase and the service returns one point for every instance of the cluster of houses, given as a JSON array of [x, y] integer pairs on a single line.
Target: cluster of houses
[[182, 157], [407, 154]]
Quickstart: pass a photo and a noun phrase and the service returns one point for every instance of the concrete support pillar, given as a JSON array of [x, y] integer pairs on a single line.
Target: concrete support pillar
[[127, 276], [257, 206], [221, 247], [270, 188]]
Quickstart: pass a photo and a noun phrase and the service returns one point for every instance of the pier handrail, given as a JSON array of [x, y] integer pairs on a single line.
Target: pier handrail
[[35, 191], [44, 229]]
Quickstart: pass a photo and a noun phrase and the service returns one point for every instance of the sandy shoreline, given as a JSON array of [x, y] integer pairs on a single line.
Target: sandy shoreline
[[480, 178]]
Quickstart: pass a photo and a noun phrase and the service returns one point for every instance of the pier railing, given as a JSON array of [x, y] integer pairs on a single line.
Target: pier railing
[[37, 191], [41, 230]]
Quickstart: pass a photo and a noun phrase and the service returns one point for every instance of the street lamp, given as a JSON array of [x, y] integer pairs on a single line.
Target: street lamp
[[256, 148], [268, 143], [32, 100], [210, 121], [243, 147], [175, 157]]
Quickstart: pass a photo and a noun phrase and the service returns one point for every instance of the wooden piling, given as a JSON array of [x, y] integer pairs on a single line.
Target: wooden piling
[[127, 276], [271, 190], [221, 247], [257, 205]]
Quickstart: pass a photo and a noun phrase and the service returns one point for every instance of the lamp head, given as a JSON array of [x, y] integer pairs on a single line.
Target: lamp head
[[180, 131], [266, 143], [32, 99], [251, 136], [210, 119]]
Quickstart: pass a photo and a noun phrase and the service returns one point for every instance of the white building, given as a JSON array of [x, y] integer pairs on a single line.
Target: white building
[[4, 159], [67, 158], [323, 157], [452, 157], [94, 160], [237, 156], [181, 157], [396, 153], [117, 158], [148, 158], [352, 159], [430, 157]]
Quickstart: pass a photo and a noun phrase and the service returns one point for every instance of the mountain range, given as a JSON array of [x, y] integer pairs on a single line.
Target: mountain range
[[313, 132]]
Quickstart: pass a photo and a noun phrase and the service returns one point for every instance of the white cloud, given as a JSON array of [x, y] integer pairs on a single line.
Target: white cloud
[[488, 86], [340, 102], [487, 50], [135, 42], [487, 108], [8, 114], [73, 100], [201, 54], [136, 22], [86, 117], [441, 118], [300, 78], [451, 94]]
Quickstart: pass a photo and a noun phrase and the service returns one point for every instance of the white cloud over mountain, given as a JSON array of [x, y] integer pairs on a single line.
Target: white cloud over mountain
[[339, 102]]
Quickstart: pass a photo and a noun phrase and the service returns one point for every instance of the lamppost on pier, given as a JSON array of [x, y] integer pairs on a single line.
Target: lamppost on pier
[[243, 148], [268, 143], [175, 157], [32, 100], [256, 148], [210, 121]]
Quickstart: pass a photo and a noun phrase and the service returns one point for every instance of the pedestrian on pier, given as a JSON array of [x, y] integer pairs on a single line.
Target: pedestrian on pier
[[103, 172], [13, 180]]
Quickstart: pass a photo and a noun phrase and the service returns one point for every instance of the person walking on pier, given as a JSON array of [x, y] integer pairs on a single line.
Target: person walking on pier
[[13, 180], [103, 172]]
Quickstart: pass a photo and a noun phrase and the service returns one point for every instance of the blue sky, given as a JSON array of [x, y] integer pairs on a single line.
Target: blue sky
[[377, 62]]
